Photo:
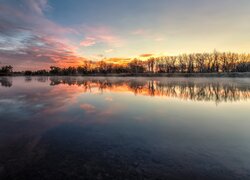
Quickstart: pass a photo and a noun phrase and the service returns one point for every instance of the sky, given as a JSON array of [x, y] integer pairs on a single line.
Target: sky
[[35, 34]]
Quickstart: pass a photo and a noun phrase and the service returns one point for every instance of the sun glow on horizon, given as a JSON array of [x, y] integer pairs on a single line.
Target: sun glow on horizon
[[43, 33]]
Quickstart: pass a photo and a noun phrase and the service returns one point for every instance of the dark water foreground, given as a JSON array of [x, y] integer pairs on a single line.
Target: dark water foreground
[[124, 128]]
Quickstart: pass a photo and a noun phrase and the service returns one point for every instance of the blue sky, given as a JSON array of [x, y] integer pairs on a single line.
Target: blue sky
[[45, 32]]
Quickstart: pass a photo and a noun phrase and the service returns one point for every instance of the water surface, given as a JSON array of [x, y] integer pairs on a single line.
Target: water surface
[[124, 128]]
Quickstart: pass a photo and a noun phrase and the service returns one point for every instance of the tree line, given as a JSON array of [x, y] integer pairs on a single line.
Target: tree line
[[6, 70], [215, 62], [187, 63]]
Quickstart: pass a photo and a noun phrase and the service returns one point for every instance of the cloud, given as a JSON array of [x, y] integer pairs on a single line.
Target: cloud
[[117, 60], [40, 51], [100, 34], [146, 55], [38, 6], [89, 41], [29, 40]]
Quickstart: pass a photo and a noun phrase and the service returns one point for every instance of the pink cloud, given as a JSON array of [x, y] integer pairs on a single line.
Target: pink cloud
[[30, 39], [88, 108], [101, 34], [89, 41], [108, 38]]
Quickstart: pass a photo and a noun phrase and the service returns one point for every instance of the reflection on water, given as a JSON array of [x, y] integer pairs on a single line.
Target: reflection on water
[[217, 90], [201, 90], [124, 128], [6, 82]]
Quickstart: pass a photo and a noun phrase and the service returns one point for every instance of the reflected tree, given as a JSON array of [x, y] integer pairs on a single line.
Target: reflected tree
[[188, 90], [6, 82]]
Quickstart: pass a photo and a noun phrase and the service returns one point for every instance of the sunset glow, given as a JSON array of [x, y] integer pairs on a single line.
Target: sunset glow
[[38, 34], [125, 89]]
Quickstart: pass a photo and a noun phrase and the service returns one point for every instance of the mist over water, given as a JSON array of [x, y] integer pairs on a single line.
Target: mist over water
[[124, 128]]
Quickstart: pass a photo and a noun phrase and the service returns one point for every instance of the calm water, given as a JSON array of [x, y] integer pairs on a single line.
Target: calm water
[[124, 128]]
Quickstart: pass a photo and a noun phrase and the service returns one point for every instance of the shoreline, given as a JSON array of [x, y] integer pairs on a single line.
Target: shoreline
[[247, 75], [198, 75]]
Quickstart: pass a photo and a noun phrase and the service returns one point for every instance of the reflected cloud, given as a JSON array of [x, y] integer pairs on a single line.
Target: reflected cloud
[[88, 108]]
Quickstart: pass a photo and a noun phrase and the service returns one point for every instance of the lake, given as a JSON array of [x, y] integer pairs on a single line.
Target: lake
[[124, 128]]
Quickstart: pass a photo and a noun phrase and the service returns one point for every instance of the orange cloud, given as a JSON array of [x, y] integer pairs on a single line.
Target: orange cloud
[[88, 108], [101, 34], [118, 60], [146, 55]]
